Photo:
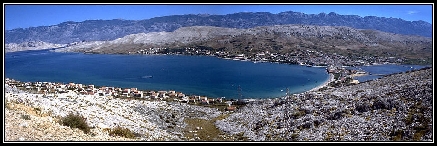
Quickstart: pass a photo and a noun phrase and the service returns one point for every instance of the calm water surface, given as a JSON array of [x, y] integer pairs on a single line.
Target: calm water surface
[[378, 71], [192, 75]]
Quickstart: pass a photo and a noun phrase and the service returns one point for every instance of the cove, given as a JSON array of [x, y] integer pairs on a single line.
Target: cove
[[192, 75], [378, 71]]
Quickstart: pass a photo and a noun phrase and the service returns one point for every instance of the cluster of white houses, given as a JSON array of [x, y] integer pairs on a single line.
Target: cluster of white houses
[[71, 89]]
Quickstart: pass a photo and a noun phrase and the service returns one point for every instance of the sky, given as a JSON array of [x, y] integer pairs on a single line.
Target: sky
[[18, 15]]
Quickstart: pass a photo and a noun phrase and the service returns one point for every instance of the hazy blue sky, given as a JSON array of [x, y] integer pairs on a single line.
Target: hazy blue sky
[[33, 15]]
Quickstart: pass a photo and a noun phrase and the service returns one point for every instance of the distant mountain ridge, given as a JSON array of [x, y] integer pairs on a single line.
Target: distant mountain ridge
[[102, 30]]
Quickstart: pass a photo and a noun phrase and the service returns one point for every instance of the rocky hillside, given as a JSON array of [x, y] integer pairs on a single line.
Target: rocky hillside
[[394, 108], [101, 30], [32, 45], [398, 107], [281, 39]]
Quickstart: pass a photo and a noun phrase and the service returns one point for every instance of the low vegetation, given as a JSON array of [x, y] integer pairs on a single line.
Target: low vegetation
[[120, 131], [205, 130], [75, 121]]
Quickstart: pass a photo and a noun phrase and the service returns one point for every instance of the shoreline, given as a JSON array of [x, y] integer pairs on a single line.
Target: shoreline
[[325, 84], [152, 121]]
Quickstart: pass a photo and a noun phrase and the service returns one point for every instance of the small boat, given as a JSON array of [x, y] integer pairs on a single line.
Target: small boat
[[147, 77]]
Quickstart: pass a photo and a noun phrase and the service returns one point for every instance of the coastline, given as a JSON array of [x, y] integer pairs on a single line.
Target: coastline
[[26, 120], [331, 78]]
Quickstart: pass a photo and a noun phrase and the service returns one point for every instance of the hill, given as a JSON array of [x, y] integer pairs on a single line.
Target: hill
[[286, 40], [398, 107]]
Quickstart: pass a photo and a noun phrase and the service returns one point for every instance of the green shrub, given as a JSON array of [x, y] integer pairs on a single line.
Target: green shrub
[[25, 117], [119, 131], [75, 121]]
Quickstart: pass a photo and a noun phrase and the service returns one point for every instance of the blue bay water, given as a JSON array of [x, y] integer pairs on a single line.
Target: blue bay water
[[193, 75], [377, 71]]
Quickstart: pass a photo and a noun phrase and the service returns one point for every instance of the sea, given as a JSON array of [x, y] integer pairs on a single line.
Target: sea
[[192, 75], [378, 71]]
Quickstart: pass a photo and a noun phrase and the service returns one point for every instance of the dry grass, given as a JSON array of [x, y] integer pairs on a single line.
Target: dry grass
[[124, 132], [205, 130], [27, 109]]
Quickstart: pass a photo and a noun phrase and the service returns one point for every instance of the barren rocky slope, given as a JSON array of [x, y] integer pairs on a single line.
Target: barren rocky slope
[[394, 108], [281, 39], [32, 45]]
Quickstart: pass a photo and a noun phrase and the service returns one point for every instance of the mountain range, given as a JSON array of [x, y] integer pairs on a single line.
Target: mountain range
[[102, 30]]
